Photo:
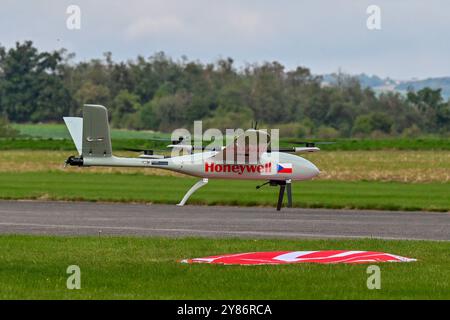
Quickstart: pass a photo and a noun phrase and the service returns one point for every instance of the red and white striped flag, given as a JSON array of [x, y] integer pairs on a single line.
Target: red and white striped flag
[[285, 257]]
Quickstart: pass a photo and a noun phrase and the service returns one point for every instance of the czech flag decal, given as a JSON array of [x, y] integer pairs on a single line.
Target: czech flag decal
[[284, 168]]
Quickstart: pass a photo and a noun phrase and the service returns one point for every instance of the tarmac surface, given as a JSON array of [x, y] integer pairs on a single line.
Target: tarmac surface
[[89, 218]]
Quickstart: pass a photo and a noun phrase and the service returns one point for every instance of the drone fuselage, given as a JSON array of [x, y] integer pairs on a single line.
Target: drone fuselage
[[272, 166]]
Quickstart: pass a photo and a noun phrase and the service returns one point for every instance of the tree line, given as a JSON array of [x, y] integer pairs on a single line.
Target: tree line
[[159, 93]]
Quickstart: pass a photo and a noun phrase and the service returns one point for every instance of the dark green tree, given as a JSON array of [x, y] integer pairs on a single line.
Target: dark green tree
[[32, 85]]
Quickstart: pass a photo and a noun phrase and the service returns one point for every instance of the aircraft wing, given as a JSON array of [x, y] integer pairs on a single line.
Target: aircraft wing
[[305, 149], [190, 148]]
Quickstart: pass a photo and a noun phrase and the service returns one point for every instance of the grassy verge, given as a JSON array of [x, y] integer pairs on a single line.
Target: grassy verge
[[122, 139], [67, 144], [394, 165], [59, 131], [426, 143], [34, 267], [168, 189]]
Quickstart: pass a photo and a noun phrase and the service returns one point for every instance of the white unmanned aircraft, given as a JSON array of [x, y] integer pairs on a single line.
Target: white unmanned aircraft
[[244, 159]]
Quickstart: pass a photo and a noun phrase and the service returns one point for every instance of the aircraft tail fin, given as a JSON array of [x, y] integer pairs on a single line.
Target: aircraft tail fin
[[96, 133], [75, 126], [91, 133]]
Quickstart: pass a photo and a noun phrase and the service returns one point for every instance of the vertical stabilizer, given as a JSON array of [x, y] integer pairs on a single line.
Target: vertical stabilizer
[[96, 136]]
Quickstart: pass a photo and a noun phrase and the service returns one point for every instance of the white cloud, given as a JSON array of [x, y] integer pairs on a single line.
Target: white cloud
[[246, 23], [323, 35], [159, 26]]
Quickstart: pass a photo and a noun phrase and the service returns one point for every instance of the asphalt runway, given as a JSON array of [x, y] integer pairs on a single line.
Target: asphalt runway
[[88, 218]]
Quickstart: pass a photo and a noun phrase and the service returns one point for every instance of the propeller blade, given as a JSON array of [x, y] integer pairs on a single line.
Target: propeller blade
[[295, 149], [254, 125], [312, 142], [179, 140]]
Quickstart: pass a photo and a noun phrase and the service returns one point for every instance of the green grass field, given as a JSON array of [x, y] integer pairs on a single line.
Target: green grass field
[[68, 145], [394, 165], [128, 187], [56, 137], [122, 143], [59, 131], [34, 267]]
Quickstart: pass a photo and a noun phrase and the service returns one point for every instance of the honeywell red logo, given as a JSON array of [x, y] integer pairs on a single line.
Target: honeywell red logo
[[238, 168]]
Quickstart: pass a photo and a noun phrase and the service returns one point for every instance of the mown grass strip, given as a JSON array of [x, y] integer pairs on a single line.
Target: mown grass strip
[[59, 131], [122, 140], [34, 267], [166, 189]]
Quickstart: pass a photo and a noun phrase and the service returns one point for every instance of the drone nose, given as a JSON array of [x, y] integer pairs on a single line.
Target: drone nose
[[315, 171], [311, 169]]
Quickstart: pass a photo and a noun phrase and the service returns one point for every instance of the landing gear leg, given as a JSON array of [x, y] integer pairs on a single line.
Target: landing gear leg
[[281, 194], [194, 188], [283, 185], [289, 193]]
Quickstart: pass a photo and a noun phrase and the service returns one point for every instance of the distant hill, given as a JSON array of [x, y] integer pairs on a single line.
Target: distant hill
[[433, 83], [387, 84]]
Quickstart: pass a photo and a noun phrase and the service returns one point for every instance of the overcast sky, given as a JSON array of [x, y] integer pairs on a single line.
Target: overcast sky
[[414, 40]]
